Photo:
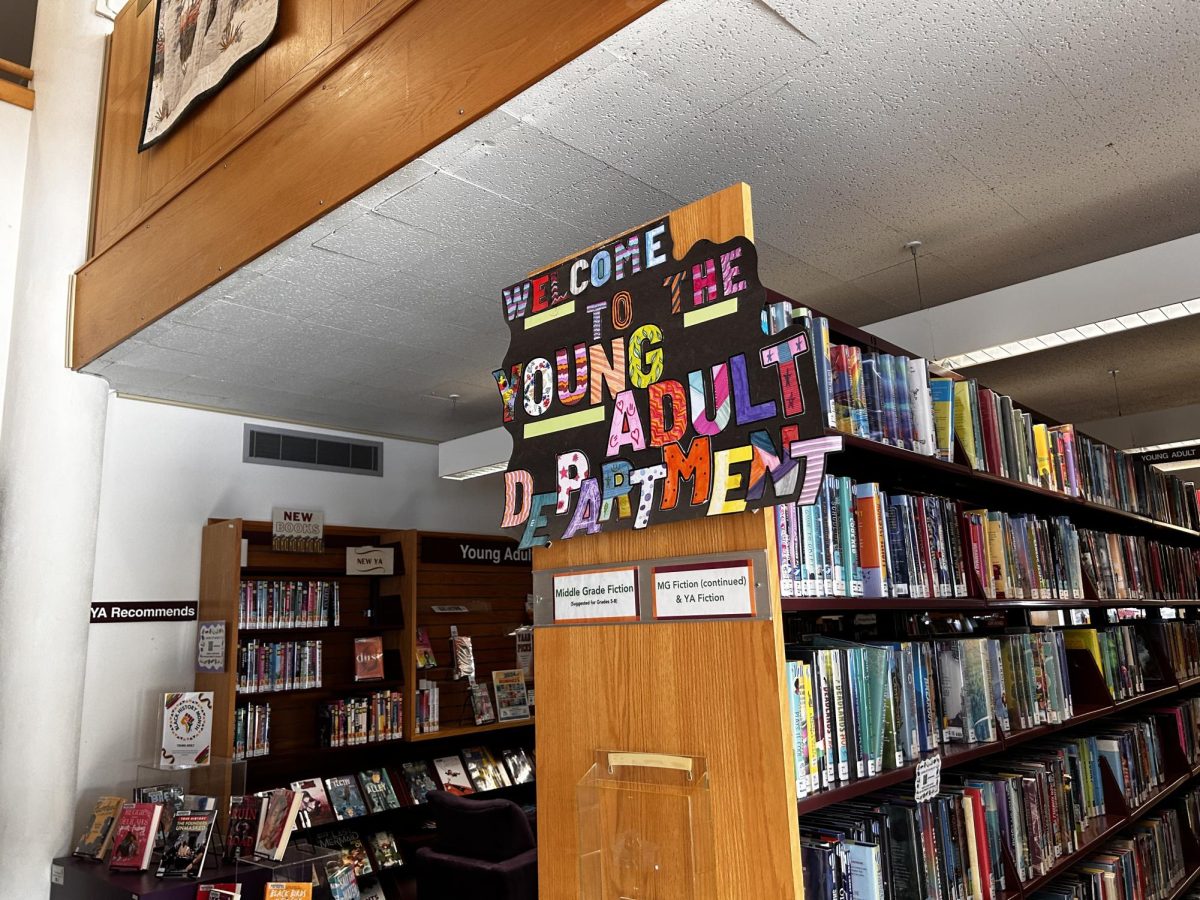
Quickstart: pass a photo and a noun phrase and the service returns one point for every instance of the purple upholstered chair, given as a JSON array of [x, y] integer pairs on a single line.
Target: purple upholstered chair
[[484, 851]]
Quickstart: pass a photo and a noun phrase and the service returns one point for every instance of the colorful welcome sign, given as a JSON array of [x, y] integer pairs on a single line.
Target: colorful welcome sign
[[640, 388]]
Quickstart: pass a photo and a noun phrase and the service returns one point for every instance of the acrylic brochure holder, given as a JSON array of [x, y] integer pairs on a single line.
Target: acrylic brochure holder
[[645, 828]]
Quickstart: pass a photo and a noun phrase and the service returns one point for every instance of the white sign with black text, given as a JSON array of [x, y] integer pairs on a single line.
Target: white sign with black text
[[704, 590], [370, 560], [605, 595]]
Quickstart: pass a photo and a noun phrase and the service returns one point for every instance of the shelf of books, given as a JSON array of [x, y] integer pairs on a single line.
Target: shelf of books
[[997, 598], [977, 658], [356, 695]]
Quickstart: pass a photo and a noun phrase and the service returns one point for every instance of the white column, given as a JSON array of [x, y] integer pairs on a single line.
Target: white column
[[50, 451]]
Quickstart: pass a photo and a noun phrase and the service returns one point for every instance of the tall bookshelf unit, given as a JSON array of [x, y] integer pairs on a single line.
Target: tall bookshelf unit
[[427, 575], [718, 689]]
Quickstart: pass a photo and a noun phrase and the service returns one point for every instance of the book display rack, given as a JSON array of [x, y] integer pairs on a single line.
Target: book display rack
[[720, 689], [297, 705]]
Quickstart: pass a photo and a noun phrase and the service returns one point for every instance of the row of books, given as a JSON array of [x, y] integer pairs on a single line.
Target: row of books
[[1034, 807], [894, 399], [1122, 567], [474, 769], [266, 666], [252, 730], [289, 604], [858, 540], [161, 819], [362, 720], [860, 709], [1147, 864]]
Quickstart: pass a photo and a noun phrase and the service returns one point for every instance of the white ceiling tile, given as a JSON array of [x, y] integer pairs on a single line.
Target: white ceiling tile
[[385, 242]]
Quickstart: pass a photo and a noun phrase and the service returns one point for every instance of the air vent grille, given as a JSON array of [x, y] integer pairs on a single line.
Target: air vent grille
[[309, 450]]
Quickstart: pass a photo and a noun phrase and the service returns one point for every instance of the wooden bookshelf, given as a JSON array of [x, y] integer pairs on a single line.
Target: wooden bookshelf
[[390, 606]]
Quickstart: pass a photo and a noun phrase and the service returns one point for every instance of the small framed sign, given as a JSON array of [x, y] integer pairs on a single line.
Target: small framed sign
[[297, 530], [370, 560]]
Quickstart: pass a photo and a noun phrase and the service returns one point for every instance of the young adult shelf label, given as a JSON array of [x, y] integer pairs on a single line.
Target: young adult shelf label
[[647, 382], [604, 595], [704, 590], [370, 560]]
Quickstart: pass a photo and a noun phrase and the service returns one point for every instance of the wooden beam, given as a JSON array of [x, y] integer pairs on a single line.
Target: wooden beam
[[16, 94], [434, 69], [23, 72]]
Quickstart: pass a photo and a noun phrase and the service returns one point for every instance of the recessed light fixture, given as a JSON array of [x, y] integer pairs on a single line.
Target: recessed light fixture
[[477, 472], [1071, 335]]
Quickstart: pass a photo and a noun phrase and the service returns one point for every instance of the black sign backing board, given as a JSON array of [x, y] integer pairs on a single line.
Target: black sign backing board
[[642, 389]]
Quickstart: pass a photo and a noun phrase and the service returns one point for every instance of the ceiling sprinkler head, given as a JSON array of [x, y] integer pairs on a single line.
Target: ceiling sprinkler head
[[912, 247]]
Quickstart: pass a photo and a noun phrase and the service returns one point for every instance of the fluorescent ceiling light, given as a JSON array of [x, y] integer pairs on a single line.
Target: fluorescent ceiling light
[[1071, 335], [477, 472]]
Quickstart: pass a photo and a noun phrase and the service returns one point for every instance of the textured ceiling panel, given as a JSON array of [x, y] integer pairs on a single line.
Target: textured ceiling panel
[[1013, 138]]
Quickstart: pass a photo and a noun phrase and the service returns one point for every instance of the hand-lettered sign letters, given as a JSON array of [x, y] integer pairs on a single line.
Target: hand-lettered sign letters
[[640, 388]]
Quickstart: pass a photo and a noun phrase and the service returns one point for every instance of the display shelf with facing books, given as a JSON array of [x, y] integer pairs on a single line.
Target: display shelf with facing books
[[477, 583]]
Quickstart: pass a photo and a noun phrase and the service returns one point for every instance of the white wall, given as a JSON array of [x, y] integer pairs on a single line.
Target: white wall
[[168, 469], [14, 149]]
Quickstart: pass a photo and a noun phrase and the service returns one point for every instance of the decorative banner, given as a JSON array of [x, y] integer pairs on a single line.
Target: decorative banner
[[198, 47], [370, 560], [210, 647], [472, 552], [297, 530], [108, 611], [640, 388], [605, 595], [719, 589]]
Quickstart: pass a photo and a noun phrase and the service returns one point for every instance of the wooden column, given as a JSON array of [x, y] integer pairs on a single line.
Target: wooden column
[[707, 688]]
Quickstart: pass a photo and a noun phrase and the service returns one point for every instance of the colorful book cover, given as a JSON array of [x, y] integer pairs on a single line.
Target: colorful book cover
[[453, 776], [941, 391], [244, 814], [278, 820], [858, 392], [520, 769], [481, 703], [342, 883], [418, 779], [512, 700], [186, 846], [187, 719], [868, 515], [350, 849], [288, 890], [345, 796], [920, 406], [425, 657], [368, 658], [378, 790], [315, 808], [384, 850], [964, 422], [225, 890], [842, 390], [482, 769], [97, 837], [133, 837], [906, 435]]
